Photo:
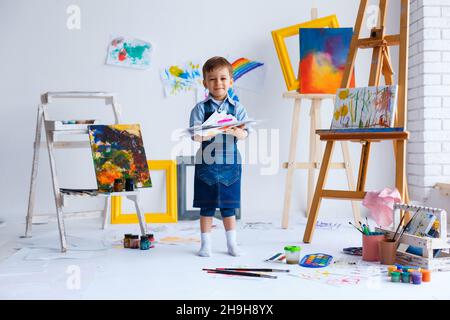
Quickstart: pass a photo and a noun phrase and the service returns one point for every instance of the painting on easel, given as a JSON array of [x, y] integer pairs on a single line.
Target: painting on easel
[[323, 55], [365, 108], [118, 153]]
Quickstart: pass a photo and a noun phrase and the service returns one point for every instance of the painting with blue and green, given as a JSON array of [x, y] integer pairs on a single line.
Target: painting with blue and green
[[129, 52], [183, 77]]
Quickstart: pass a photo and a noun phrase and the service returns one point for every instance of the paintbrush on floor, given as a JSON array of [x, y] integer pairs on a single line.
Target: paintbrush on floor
[[240, 273], [253, 269]]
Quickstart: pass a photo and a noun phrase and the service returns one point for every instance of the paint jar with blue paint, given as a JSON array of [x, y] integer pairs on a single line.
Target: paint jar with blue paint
[[406, 277], [145, 243]]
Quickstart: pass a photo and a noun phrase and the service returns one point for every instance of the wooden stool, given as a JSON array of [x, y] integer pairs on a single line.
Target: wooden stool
[[315, 153]]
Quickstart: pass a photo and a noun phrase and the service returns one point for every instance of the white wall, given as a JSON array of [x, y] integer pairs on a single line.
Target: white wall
[[40, 54]]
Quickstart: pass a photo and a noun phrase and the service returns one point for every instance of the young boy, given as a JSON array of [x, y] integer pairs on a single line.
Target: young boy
[[217, 182]]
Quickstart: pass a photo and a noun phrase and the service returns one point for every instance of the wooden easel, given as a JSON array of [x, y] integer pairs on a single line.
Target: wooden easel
[[381, 64], [315, 154], [58, 139], [315, 150]]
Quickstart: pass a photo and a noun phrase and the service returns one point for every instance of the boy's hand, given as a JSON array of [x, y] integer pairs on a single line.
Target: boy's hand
[[238, 132], [199, 138]]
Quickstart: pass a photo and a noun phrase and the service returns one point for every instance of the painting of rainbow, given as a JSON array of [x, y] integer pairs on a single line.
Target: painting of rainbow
[[242, 66], [323, 56], [118, 153], [365, 108]]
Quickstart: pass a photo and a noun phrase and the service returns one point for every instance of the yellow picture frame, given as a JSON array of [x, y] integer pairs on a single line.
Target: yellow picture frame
[[279, 36], [170, 216]]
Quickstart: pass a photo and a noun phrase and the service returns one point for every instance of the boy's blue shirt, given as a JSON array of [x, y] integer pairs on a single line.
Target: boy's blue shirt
[[198, 112]]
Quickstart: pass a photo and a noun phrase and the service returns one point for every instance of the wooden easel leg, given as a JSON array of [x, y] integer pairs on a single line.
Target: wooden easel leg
[[56, 193], [350, 179], [363, 166], [314, 145], [140, 213], [291, 164], [400, 172], [34, 171], [312, 218], [105, 212]]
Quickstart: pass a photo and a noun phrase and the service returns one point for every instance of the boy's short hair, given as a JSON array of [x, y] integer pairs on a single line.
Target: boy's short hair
[[217, 62]]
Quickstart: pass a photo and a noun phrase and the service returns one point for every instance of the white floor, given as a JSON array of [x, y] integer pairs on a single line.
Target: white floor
[[97, 267]]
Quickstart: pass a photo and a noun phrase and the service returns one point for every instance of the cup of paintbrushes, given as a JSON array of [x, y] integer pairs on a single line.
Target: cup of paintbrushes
[[387, 251], [370, 246]]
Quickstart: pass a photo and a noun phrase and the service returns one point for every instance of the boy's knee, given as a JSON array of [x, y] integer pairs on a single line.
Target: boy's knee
[[226, 213], [207, 212]]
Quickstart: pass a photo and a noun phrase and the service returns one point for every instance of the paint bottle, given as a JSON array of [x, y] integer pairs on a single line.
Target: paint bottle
[[145, 244], [118, 185], [151, 239], [129, 184], [416, 277], [292, 254], [406, 277], [395, 276], [127, 240], [426, 275], [134, 242], [391, 269]]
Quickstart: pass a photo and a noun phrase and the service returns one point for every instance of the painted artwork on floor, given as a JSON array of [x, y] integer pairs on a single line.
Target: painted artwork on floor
[[129, 52], [180, 78], [118, 153], [365, 108], [323, 56]]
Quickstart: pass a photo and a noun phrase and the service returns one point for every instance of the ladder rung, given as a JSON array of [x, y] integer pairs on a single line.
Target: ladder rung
[[345, 195], [316, 165], [366, 43]]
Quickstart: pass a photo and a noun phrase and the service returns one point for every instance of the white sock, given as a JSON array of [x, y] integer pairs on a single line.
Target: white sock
[[205, 250], [232, 244]]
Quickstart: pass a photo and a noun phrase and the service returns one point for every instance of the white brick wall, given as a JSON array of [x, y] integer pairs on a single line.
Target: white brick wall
[[429, 96]]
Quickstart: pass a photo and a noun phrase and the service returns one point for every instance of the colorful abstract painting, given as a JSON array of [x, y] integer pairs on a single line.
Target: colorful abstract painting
[[323, 56], [364, 108], [129, 52], [181, 78], [118, 153]]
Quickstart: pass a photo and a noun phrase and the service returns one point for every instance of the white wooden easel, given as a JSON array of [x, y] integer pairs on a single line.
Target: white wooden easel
[[58, 139], [315, 153], [315, 150]]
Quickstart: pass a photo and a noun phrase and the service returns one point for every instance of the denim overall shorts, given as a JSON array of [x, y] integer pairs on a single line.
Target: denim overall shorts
[[217, 180]]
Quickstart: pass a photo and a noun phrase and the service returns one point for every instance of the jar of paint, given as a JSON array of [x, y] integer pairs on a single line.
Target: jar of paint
[[416, 277], [127, 240], [395, 276], [292, 254], [118, 185], [134, 242], [426, 275], [151, 239], [129, 184], [145, 244], [391, 269], [406, 277]]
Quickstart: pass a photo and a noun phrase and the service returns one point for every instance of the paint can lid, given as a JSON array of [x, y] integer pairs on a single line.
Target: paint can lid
[[292, 248]]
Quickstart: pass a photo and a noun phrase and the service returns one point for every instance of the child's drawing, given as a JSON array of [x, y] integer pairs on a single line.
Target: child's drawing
[[181, 78], [129, 52], [364, 108]]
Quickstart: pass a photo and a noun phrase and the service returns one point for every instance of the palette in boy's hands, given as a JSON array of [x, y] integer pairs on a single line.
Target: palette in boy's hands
[[317, 260]]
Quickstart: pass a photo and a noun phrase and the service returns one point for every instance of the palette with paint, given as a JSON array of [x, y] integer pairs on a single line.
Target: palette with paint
[[317, 260]]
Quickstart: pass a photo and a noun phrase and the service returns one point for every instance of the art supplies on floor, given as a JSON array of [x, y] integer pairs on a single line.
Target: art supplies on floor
[[278, 258], [353, 251], [317, 260], [245, 272]]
